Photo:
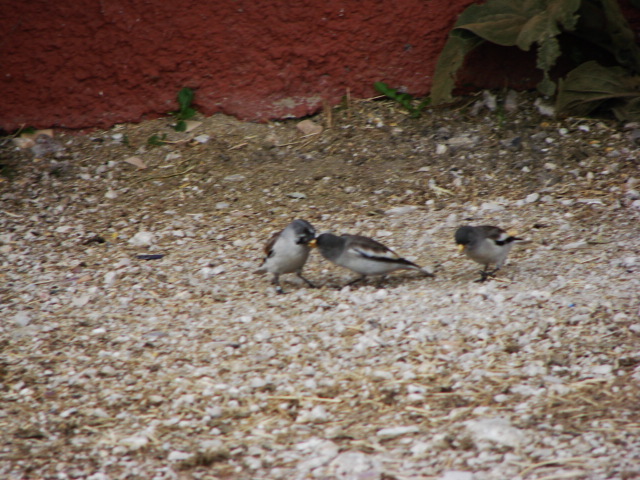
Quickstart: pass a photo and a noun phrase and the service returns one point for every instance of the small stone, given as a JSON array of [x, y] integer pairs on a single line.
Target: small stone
[[142, 239], [456, 475], [544, 108], [441, 148], [134, 443], [110, 278], [202, 138], [317, 414], [495, 430], [632, 194], [177, 456], [574, 245], [111, 194], [208, 272], [401, 210], [80, 301], [511, 101], [491, 207], [393, 432], [309, 127], [234, 178], [108, 371], [602, 369], [296, 195], [256, 383], [629, 262], [214, 412], [22, 319], [532, 198]]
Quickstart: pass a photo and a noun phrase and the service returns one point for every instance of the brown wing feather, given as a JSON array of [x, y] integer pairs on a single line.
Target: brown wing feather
[[491, 232], [268, 248], [368, 244]]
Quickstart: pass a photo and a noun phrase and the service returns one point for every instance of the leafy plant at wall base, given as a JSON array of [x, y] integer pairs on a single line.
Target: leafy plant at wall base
[[404, 99], [591, 87], [185, 99], [598, 24]]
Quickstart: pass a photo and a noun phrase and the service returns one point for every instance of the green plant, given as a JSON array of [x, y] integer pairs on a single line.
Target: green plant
[[598, 33], [185, 99], [156, 141], [404, 99]]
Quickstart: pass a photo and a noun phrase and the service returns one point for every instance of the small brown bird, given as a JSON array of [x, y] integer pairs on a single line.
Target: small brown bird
[[363, 255], [287, 251], [486, 245]]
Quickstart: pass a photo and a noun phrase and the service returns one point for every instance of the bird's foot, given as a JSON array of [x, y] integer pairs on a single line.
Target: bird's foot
[[359, 279], [486, 274]]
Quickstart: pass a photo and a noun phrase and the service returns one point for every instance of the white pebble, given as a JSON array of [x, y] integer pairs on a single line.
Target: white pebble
[[534, 197], [495, 430], [177, 456], [234, 178], [22, 319], [393, 432], [133, 443], [401, 210], [110, 278], [456, 475], [441, 148], [142, 239]]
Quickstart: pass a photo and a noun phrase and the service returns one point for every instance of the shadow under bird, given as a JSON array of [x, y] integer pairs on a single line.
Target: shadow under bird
[[486, 245], [362, 255], [287, 252]]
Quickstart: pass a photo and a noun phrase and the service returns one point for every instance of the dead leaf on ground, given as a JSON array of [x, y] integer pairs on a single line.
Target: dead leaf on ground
[[309, 127], [28, 140], [191, 125], [137, 162]]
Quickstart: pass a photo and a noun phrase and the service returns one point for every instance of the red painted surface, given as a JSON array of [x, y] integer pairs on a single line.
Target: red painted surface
[[93, 64]]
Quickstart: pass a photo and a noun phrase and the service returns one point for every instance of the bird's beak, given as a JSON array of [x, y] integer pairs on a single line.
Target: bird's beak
[[313, 243], [461, 248], [512, 233]]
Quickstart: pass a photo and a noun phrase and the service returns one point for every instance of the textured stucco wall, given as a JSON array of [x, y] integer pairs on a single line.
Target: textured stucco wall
[[96, 63]]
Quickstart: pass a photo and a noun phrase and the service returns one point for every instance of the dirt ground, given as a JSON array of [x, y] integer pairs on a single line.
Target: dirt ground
[[190, 366]]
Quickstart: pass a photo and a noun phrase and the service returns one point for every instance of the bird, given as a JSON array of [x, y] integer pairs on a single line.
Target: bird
[[287, 251], [486, 245], [362, 255]]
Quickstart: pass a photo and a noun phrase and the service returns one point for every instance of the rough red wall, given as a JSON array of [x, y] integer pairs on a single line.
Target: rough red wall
[[87, 63]]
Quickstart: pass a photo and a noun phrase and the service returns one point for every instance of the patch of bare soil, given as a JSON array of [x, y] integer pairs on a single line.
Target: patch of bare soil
[[190, 366]]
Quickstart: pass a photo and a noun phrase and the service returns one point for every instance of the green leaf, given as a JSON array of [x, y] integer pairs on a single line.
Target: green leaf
[[508, 23], [620, 39], [186, 114], [404, 99], [459, 44], [180, 126], [591, 86], [383, 88], [185, 98], [155, 140]]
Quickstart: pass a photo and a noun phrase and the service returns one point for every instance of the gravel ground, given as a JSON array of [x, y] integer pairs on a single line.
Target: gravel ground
[[190, 366]]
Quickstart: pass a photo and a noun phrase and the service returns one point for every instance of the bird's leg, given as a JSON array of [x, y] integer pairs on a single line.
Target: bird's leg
[[381, 281], [276, 282], [299, 273], [359, 279], [484, 274]]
